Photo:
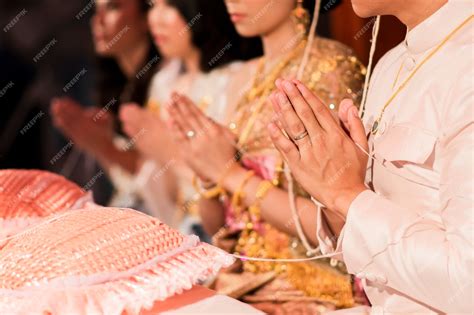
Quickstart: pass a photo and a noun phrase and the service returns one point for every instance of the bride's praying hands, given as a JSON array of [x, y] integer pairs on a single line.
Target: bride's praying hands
[[149, 132], [207, 147]]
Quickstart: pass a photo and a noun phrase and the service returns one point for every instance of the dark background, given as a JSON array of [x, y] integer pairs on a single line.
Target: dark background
[[36, 83]]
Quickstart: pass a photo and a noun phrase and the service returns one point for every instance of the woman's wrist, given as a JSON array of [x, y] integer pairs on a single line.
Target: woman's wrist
[[233, 177]]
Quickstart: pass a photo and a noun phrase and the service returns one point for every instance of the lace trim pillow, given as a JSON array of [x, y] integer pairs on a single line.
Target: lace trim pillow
[[27, 196], [101, 261]]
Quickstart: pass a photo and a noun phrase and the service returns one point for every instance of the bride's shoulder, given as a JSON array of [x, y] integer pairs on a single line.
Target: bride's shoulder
[[323, 46], [329, 56], [241, 75]]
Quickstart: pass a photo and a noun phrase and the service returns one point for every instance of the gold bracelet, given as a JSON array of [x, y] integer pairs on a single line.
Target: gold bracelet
[[238, 195], [263, 188], [212, 192], [207, 193]]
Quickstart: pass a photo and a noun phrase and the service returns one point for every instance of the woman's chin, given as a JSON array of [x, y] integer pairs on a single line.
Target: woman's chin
[[102, 51], [247, 31]]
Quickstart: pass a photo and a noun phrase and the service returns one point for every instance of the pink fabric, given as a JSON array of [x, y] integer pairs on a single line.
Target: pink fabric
[[27, 196], [410, 238], [101, 261]]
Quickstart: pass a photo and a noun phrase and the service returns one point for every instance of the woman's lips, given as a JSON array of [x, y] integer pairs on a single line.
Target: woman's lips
[[159, 39], [237, 17]]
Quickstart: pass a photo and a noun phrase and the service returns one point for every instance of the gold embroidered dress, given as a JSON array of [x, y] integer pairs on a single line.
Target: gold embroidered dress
[[333, 73]]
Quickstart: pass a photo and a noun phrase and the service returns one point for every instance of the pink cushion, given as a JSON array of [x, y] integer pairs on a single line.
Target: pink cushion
[[27, 196], [101, 261]]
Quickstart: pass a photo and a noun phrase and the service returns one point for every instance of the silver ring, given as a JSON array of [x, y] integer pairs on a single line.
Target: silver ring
[[301, 135], [190, 134]]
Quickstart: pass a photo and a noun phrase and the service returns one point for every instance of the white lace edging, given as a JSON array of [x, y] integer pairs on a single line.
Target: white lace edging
[[130, 295]]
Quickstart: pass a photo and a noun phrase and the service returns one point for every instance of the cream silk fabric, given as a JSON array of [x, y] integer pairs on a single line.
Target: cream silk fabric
[[410, 238]]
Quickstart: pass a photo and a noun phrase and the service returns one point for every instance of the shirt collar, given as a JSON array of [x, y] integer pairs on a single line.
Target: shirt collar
[[434, 29]]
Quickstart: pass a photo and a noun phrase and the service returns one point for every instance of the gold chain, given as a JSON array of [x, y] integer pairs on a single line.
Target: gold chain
[[376, 124], [261, 91]]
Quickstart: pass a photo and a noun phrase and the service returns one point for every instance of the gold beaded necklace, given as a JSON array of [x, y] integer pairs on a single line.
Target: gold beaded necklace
[[260, 91], [376, 124]]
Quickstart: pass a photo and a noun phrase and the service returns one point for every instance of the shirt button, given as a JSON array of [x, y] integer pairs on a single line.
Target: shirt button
[[382, 128], [409, 63]]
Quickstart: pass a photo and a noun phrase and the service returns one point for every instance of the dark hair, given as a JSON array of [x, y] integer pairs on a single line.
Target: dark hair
[[112, 82], [213, 33], [114, 88], [326, 5]]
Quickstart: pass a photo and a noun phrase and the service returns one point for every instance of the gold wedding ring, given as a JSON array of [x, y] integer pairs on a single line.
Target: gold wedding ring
[[301, 135]]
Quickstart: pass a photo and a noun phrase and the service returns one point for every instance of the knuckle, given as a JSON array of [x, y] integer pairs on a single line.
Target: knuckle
[[306, 112], [286, 148], [297, 127]]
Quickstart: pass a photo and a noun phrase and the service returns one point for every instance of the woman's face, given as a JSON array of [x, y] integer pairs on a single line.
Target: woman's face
[[259, 17], [169, 29], [118, 25]]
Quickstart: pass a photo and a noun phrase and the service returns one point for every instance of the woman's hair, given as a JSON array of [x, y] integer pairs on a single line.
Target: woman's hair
[[112, 82], [213, 33], [113, 87]]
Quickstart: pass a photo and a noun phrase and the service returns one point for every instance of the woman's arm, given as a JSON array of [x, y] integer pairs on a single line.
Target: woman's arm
[[212, 214], [274, 206], [108, 155]]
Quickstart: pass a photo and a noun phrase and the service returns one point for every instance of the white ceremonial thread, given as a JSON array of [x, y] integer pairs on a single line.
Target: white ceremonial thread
[[309, 44], [289, 260], [375, 33], [291, 194], [294, 213], [371, 156]]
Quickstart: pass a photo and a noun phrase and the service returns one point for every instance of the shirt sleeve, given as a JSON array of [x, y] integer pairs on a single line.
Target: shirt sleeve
[[427, 257]]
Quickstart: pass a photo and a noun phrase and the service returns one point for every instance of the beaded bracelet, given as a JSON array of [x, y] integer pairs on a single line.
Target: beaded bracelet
[[262, 190], [239, 194]]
